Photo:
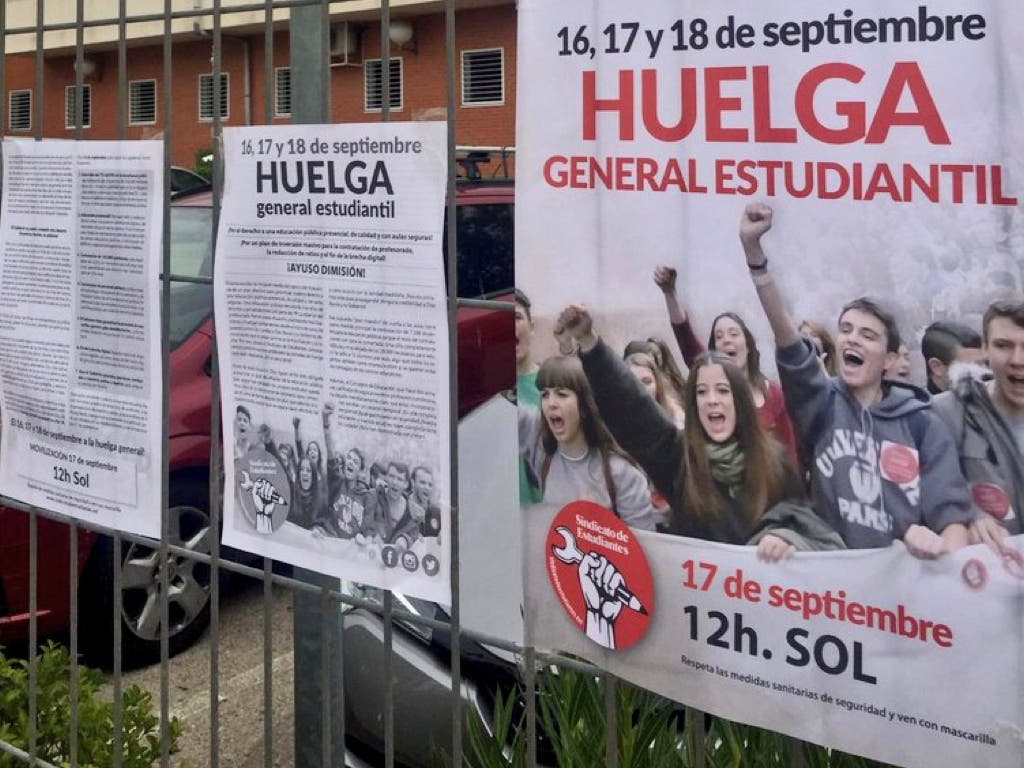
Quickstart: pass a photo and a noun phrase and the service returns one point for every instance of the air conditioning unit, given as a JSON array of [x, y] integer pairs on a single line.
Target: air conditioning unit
[[345, 43]]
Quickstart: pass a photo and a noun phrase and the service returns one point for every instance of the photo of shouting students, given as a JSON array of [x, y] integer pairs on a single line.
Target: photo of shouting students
[[984, 409], [884, 467], [571, 452], [719, 455], [725, 478], [731, 337], [288, 488]]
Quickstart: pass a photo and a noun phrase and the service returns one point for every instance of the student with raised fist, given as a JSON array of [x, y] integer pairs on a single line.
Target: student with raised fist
[[883, 466]]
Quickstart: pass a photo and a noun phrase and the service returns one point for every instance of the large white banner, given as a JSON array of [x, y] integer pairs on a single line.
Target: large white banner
[[890, 145], [330, 306], [917, 663], [80, 329]]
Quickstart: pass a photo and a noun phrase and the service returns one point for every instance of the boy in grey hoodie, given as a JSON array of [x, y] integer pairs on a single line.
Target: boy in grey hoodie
[[985, 411], [884, 467]]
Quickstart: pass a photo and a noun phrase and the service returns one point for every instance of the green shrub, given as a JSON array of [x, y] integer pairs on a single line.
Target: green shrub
[[140, 739], [571, 712]]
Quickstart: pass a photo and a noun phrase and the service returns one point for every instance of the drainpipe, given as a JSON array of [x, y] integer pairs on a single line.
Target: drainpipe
[[246, 75], [197, 28]]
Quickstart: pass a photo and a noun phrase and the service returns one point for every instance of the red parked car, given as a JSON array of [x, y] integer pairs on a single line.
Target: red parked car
[[486, 356]]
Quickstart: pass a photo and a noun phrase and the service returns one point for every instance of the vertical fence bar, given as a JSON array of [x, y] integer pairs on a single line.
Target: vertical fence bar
[[797, 757], [33, 606], [215, 446], [165, 286], [453, 394], [116, 549], [530, 664], [309, 37], [611, 722], [268, 595], [33, 520], [695, 722], [3, 76], [73, 525], [325, 675], [388, 616]]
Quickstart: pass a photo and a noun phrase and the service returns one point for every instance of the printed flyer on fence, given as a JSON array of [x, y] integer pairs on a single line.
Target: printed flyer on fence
[[770, 319], [80, 329], [332, 330]]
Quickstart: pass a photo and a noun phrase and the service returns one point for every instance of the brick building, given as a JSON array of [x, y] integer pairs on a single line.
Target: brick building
[[485, 37]]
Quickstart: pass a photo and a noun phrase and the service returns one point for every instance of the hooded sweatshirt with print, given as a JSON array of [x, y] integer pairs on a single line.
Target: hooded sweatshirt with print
[[989, 456], [876, 471]]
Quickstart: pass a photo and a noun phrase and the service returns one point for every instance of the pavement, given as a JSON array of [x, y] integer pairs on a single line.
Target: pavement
[[240, 695]]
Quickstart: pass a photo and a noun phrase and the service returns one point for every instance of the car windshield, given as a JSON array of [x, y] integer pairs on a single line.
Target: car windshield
[[191, 256]]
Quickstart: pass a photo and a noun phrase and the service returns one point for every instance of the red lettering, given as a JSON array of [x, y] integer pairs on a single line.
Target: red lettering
[[853, 111], [687, 105], [623, 105], [906, 75], [882, 182], [957, 172], [764, 131], [997, 188], [745, 171], [792, 599], [673, 175], [715, 103], [722, 176], [646, 168], [624, 173], [558, 180], [943, 636]]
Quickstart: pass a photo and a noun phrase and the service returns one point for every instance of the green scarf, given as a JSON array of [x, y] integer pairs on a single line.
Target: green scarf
[[727, 464]]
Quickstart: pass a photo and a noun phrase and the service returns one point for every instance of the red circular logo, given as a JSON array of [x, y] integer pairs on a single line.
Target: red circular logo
[[899, 463], [974, 574], [991, 498], [600, 574]]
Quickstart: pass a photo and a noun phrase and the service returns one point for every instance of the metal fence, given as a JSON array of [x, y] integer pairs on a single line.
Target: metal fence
[[319, 695]]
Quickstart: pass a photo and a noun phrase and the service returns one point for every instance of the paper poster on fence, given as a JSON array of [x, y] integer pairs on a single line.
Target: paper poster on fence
[[871, 652], [331, 317], [80, 329], [737, 228]]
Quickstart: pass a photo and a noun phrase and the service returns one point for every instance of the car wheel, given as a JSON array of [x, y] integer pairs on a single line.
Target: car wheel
[[188, 592]]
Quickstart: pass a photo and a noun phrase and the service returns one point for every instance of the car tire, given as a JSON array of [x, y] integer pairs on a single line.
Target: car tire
[[189, 585]]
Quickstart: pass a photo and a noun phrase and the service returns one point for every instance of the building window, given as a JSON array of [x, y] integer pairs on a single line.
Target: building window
[[283, 92], [206, 96], [19, 110], [142, 102], [373, 84], [71, 107], [483, 77]]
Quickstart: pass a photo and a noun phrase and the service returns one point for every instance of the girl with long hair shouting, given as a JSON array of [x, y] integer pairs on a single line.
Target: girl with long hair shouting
[[568, 447]]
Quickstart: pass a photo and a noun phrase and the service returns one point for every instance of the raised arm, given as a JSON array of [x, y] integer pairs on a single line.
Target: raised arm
[[689, 346], [299, 453], [634, 418], [327, 412], [756, 221]]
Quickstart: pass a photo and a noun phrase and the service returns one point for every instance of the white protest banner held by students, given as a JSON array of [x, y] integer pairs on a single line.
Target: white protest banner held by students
[[843, 649]]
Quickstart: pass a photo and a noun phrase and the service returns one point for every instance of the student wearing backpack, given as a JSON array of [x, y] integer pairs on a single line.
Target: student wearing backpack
[[986, 415], [884, 466]]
